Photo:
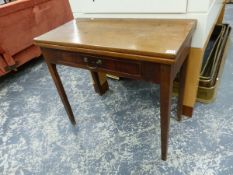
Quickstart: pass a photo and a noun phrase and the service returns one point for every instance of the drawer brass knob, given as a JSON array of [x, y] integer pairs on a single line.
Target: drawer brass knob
[[92, 64], [85, 59], [98, 62]]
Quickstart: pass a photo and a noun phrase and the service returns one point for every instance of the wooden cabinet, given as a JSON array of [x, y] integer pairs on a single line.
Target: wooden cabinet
[[129, 6], [206, 12]]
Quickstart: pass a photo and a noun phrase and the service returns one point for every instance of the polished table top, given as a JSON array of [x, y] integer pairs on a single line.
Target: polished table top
[[151, 38]]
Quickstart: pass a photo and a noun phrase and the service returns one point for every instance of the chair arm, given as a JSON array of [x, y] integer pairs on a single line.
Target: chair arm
[[15, 6]]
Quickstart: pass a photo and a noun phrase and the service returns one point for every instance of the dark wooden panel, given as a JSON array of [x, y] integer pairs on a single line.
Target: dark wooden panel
[[126, 68]]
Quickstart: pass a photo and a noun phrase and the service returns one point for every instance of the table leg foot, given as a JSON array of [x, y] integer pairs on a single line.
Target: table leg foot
[[100, 82], [187, 111], [61, 91], [165, 105]]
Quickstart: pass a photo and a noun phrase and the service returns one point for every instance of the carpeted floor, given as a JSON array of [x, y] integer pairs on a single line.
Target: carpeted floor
[[118, 133]]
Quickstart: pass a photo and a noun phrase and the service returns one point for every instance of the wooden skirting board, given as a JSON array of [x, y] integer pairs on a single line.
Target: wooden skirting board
[[194, 68]]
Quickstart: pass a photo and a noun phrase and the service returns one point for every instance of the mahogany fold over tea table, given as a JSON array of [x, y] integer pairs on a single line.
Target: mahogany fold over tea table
[[153, 50]]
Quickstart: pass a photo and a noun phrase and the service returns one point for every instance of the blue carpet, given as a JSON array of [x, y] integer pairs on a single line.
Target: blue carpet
[[118, 133]]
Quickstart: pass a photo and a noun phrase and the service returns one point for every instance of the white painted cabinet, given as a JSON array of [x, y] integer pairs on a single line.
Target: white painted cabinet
[[204, 11], [129, 6], [200, 5]]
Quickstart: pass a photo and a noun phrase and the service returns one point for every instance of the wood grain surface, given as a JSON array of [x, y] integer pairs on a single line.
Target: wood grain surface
[[152, 38]]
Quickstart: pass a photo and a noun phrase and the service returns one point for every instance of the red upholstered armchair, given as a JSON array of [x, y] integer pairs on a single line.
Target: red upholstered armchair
[[23, 20]]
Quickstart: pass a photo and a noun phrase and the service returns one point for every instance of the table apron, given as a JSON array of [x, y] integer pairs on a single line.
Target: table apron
[[139, 70]]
